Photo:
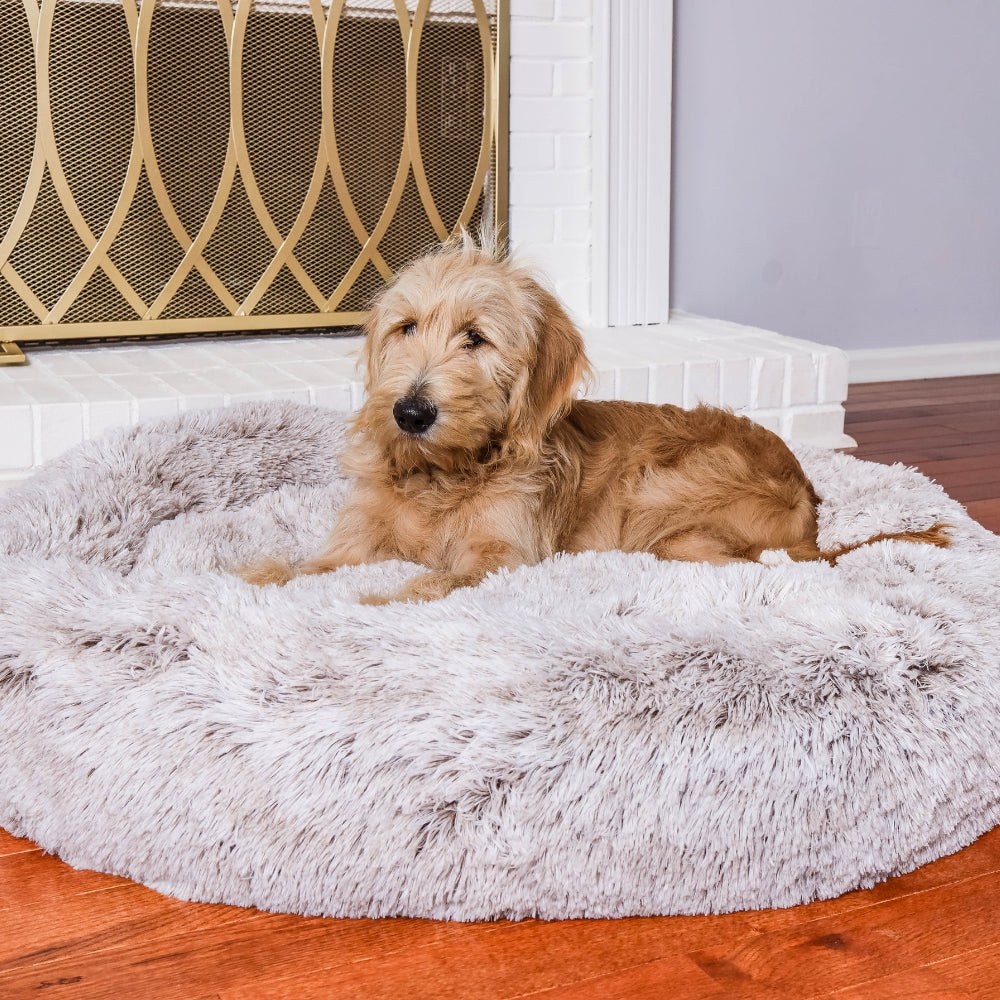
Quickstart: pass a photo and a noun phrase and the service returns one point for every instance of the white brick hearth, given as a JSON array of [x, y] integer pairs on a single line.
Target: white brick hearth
[[67, 395], [589, 201]]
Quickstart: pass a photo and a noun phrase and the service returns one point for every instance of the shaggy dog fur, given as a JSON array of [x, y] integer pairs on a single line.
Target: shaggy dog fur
[[471, 452]]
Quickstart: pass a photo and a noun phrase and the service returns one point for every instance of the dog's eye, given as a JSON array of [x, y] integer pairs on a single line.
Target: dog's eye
[[410, 329], [473, 338]]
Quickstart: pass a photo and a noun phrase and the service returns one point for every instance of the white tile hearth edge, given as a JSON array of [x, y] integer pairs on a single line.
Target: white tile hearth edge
[[67, 395]]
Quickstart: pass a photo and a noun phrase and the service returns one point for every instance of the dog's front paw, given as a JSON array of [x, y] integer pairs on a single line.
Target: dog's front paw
[[376, 600], [267, 570], [426, 587]]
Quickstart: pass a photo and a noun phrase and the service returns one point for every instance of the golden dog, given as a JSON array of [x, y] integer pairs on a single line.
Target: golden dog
[[471, 452]]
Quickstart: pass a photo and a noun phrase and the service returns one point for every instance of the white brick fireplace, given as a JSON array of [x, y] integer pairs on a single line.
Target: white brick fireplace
[[589, 201], [590, 111]]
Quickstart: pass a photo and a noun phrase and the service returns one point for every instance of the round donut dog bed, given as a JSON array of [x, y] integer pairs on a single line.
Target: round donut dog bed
[[598, 735]]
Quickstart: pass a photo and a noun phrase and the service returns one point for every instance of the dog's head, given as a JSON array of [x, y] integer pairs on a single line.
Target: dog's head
[[465, 354]]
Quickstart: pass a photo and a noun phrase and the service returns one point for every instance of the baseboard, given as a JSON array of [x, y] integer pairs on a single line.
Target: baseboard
[[892, 364]]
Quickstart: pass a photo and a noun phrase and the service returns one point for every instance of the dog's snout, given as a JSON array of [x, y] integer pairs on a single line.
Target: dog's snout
[[414, 414]]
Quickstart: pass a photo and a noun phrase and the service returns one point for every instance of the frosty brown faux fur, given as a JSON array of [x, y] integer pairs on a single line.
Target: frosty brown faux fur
[[471, 452], [602, 734]]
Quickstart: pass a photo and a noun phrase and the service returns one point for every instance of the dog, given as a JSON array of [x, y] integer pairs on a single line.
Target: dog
[[471, 452]]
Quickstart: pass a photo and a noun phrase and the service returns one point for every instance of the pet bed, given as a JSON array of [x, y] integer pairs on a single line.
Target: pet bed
[[599, 735]]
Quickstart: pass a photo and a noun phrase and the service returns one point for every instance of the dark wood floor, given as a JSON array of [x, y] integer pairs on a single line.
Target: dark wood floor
[[933, 934], [948, 428]]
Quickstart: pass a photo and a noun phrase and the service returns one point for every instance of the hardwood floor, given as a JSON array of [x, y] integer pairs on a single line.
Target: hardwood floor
[[932, 934], [948, 428]]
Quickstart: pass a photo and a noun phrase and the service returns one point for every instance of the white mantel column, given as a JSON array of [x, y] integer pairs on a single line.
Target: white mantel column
[[633, 57]]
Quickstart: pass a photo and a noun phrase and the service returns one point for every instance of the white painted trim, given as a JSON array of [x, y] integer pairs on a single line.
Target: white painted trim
[[600, 152], [892, 364], [633, 54]]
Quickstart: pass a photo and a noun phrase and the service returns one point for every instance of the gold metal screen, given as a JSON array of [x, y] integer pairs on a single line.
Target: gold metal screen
[[174, 166]]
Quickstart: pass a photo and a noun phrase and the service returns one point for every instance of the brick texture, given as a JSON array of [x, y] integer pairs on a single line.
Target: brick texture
[[551, 115]]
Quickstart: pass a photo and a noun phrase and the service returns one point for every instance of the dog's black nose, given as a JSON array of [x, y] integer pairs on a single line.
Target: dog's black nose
[[414, 414]]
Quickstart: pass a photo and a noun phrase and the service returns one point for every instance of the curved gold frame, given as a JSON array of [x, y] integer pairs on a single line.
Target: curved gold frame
[[46, 159]]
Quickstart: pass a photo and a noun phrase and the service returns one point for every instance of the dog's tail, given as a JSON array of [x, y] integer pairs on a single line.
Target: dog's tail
[[807, 551]]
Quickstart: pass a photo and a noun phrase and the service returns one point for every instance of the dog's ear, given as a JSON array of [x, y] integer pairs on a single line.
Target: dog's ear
[[544, 390], [372, 353]]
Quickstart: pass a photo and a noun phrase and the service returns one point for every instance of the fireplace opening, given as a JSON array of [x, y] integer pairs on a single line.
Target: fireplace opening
[[183, 166]]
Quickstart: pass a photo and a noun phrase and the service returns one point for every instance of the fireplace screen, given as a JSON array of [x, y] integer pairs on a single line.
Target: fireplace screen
[[181, 166]]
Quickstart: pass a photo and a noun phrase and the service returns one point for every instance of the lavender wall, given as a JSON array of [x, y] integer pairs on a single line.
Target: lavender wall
[[836, 171]]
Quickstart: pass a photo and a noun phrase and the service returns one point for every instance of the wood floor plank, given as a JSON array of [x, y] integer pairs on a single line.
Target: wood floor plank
[[957, 402], [677, 978], [967, 469], [964, 460], [945, 388], [517, 960], [920, 462], [982, 408], [984, 425], [976, 972], [240, 955], [983, 450], [966, 493], [856, 947], [916, 449], [981, 858], [922, 388], [934, 395], [10, 844], [918, 984], [986, 512], [28, 876], [42, 933]]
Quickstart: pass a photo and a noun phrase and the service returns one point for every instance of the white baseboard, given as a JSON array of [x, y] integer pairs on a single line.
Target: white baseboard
[[893, 364]]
